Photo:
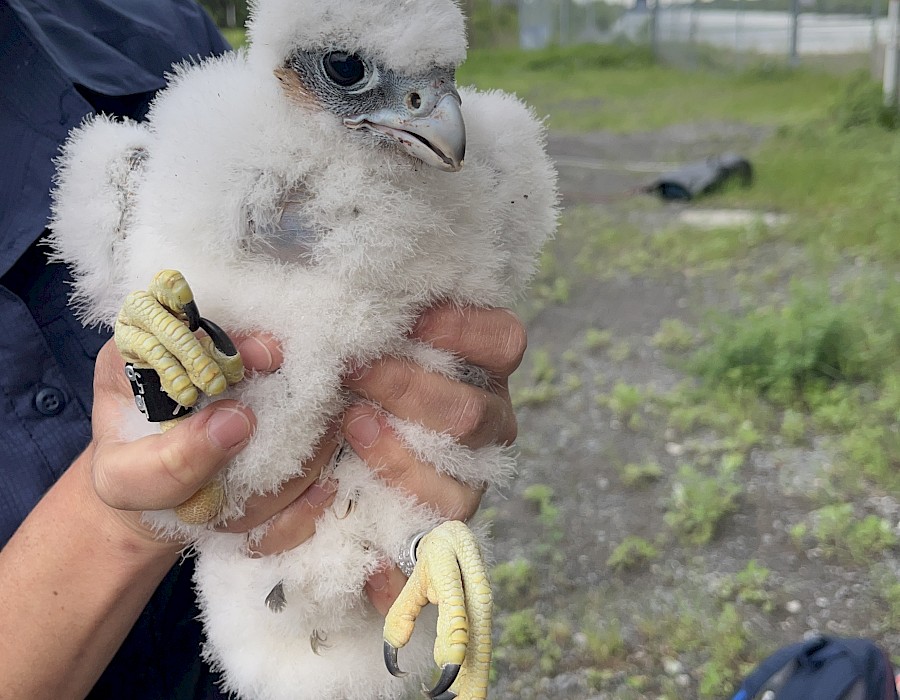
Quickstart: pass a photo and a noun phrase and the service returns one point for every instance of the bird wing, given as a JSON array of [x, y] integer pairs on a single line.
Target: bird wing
[[99, 173], [505, 137], [291, 234]]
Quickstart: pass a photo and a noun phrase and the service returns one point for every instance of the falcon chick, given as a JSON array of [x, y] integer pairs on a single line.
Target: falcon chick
[[326, 184]]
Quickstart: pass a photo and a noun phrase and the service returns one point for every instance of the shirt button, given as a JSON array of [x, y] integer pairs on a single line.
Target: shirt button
[[50, 401]]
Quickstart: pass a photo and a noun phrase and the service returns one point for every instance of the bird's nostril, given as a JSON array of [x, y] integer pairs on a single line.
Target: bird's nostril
[[415, 100]]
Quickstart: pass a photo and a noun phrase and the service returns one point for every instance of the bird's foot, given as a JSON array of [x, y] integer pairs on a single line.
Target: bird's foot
[[450, 573], [155, 331]]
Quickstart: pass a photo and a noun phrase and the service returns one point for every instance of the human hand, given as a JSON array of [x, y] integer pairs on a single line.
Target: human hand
[[493, 339], [163, 470]]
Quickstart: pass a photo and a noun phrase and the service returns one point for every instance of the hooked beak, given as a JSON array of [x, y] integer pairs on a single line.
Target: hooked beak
[[436, 137]]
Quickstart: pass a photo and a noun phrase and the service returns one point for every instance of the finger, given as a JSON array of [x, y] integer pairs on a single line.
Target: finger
[[475, 417], [261, 352], [162, 471], [109, 373], [493, 339], [296, 523], [368, 432], [384, 586], [260, 508]]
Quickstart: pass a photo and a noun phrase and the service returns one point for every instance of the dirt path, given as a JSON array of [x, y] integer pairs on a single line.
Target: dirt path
[[568, 625]]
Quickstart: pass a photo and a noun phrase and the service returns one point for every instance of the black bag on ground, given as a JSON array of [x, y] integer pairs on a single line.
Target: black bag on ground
[[824, 668], [698, 178]]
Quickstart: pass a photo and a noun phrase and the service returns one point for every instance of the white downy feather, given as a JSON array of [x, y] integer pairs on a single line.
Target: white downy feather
[[224, 146]]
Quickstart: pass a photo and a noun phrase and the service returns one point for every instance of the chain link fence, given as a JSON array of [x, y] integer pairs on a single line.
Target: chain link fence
[[842, 34], [737, 32], [686, 33]]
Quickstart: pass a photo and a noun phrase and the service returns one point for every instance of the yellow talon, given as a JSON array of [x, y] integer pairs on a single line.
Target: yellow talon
[[155, 331], [450, 573]]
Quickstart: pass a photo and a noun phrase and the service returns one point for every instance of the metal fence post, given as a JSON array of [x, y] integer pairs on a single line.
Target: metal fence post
[[794, 57], [873, 38], [564, 23], [890, 53]]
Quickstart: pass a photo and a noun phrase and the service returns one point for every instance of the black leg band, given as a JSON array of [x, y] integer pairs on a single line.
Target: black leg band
[[149, 396]]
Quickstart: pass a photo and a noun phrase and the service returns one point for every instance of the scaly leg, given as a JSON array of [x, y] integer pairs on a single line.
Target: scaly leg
[[450, 573], [155, 331]]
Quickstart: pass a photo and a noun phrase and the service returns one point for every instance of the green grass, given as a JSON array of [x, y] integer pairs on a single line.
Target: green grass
[[601, 248], [809, 343], [619, 88], [841, 179], [236, 36]]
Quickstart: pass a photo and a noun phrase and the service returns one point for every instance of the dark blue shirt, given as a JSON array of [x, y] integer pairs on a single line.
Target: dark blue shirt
[[61, 60]]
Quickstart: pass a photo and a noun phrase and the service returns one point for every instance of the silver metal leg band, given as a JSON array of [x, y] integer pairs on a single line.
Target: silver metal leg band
[[406, 559]]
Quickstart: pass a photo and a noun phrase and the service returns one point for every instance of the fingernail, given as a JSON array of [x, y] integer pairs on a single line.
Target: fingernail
[[318, 493], [256, 355], [228, 428], [378, 581], [364, 430]]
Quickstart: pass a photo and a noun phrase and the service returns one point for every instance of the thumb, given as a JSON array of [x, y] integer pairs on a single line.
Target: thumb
[[162, 471]]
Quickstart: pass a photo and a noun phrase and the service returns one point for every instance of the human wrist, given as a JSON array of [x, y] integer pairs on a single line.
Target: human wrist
[[123, 530]]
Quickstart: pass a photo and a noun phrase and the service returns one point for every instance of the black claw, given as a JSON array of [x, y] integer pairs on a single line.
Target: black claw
[[448, 675], [219, 337], [317, 642], [192, 313], [390, 660], [276, 601], [449, 695]]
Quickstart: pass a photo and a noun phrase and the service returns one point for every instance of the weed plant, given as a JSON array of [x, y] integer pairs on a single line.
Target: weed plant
[[632, 553], [751, 585], [699, 502], [635, 475], [843, 536], [513, 582], [806, 346]]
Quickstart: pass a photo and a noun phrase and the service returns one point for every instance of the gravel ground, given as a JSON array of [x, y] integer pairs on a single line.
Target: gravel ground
[[577, 447]]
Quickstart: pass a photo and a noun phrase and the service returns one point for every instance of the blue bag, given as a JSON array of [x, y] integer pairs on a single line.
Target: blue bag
[[823, 668]]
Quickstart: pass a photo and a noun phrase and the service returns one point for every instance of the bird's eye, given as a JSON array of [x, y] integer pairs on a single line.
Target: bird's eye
[[344, 69]]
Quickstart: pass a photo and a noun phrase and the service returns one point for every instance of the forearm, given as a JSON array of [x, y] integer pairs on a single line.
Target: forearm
[[73, 580]]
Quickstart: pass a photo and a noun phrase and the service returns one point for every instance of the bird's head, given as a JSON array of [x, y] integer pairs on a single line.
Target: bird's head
[[384, 68]]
